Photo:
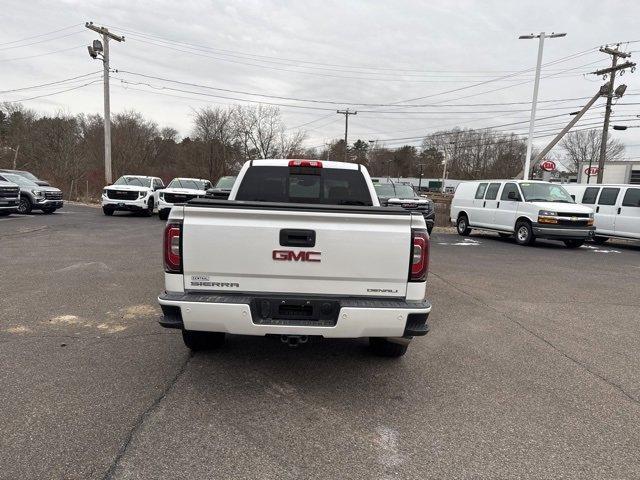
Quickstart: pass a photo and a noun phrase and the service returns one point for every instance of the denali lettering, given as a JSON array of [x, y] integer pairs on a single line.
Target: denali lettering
[[290, 255], [381, 290]]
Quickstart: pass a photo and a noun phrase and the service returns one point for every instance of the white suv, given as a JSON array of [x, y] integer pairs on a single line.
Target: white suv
[[132, 193], [525, 209], [180, 191]]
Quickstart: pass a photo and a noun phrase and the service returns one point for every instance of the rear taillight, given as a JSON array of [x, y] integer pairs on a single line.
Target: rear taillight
[[419, 255], [173, 248]]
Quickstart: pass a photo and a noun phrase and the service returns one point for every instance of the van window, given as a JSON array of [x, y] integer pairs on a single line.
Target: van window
[[631, 198], [492, 191], [481, 189], [608, 196], [509, 187], [590, 195]]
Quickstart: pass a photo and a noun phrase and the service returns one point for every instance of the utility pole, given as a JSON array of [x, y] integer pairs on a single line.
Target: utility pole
[[15, 157], [102, 49], [615, 53], [574, 120], [420, 177], [444, 169], [346, 114], [541, 36]]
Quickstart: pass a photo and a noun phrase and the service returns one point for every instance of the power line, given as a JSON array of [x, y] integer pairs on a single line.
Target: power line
[[315, 101], [53, 93], [40, 41], [50, 83], [40, 54], [41, 35]]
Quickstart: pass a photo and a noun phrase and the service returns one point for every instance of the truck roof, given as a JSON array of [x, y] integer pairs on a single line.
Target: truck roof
[[284, 162]]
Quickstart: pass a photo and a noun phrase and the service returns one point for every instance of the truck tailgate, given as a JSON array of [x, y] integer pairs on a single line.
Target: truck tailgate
[[241, 247]]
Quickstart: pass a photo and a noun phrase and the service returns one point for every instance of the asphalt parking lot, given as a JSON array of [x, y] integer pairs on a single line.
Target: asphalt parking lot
[[531, 369]]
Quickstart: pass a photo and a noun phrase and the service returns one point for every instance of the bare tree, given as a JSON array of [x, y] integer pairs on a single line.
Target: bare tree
[[262, 132], [215, 128], [582, 147]]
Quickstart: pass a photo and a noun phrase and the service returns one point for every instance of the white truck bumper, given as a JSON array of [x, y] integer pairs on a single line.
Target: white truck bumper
[[354, 319], [131, 205]]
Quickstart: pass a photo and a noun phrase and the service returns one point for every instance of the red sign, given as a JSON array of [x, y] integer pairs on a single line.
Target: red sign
[[548, 166], [591, 171]]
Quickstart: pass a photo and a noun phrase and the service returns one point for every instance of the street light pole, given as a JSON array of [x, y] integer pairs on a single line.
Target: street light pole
[[541, 36]]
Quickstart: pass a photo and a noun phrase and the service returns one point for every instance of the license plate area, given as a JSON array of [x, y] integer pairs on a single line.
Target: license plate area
[[295, 311]]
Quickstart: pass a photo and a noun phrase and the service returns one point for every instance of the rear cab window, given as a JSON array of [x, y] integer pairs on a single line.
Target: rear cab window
[[329, 186]]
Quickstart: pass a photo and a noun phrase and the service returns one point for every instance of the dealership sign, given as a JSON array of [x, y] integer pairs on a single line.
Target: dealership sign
[[591, 171], [548, 166]]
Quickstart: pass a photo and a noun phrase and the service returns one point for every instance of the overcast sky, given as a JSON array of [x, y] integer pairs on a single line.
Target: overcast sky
[[379, 52]]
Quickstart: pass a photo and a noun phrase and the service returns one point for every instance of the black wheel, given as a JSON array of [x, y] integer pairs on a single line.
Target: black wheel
[[504, 235], [149, 211], [24, 206], [524, 233], [573, 243], [202, 340], [384, 348], [4, 213], [107, 211], [462, 225], [600, 240], [163, 214], [48, 211], [429, 229]]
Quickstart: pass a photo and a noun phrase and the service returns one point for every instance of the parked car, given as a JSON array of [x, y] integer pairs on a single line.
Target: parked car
[[179, 191], [617, 209], [526, 209], [27, 175], [396, 194], [34, 196], [301, 248], [222, 188], [132, 193], [9, 197]]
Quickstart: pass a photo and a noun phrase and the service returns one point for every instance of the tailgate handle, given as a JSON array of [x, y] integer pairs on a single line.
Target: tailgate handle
[[297, 238]]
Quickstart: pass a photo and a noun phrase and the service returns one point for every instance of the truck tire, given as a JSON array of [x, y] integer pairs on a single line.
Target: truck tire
[[163, 214], [462, 225], [573, 243], [524, 233], [149, 211], [600, 240], [197, 341], [384, 348], [24, 206], [48, 211], [107, 211]]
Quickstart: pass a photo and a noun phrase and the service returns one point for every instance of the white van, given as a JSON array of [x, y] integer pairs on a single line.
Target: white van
[[527, 209], [617, 209]]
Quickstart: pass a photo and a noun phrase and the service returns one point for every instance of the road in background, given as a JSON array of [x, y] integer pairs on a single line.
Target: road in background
[[531, 369]]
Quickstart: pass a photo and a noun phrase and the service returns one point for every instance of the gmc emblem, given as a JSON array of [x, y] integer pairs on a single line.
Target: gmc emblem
[[291, 256]]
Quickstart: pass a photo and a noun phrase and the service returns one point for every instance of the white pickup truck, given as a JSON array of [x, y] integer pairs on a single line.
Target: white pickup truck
[[301, 249]]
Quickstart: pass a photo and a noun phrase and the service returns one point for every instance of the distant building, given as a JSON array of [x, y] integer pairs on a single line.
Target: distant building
[[425, 183], [624, 171]]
